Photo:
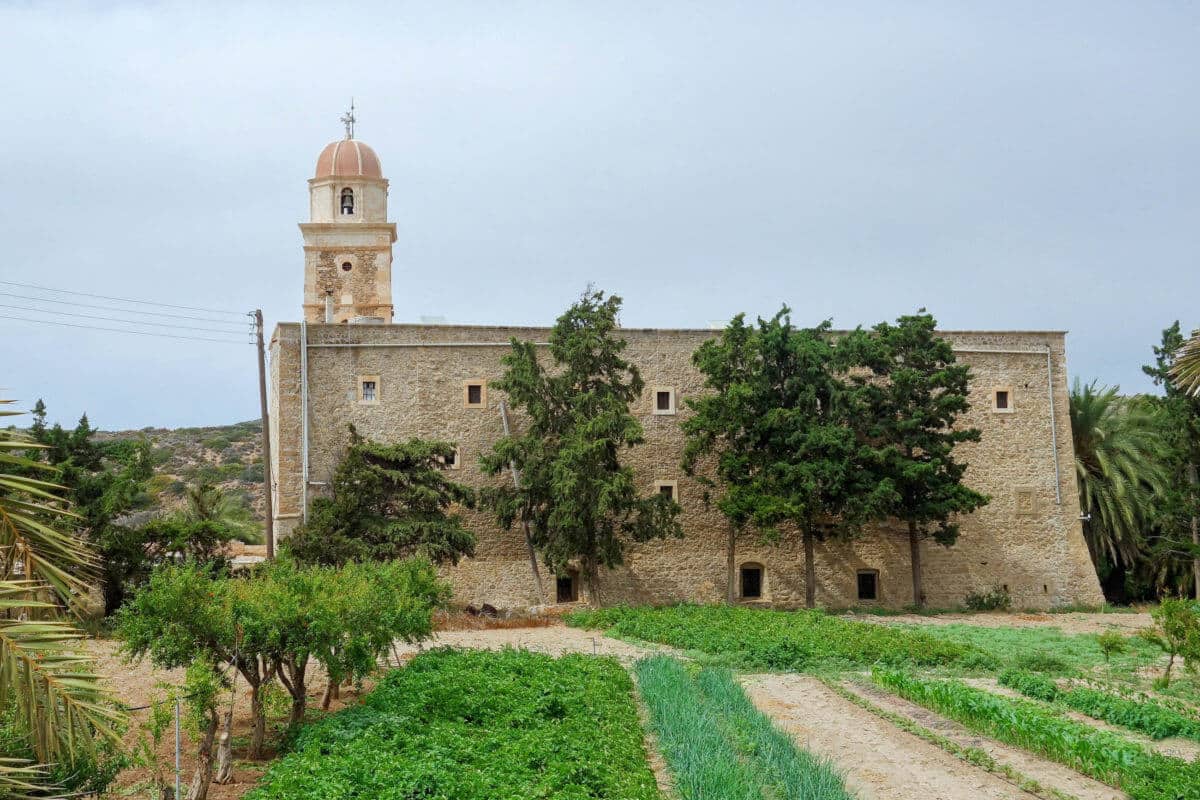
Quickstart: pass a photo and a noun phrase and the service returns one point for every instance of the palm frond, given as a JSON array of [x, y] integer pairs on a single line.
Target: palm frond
[[1186, 369]]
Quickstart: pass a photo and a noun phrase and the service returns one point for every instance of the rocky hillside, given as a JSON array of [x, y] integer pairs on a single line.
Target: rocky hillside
[[229, 456]]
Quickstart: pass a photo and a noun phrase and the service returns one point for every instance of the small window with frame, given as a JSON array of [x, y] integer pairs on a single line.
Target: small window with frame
[[750, 581], [475, 394], [453, 460], [668, 489], [868, 585], [368, 390], [664, 400], [1002, 400]]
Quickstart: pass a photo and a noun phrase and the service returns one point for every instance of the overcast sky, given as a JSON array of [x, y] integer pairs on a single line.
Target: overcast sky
[[1007, 165]]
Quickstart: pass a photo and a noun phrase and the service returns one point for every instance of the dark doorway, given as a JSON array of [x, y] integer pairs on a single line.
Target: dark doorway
[[567, 588], [868, 584], [752, 575]]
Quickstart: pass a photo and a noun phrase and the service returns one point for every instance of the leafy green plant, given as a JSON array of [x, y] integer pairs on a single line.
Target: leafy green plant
[[718, 746], [1142, 714], [1104, 756], [760, 639], [476, 725], [1176, 632], [996, 598], [1111, 643]]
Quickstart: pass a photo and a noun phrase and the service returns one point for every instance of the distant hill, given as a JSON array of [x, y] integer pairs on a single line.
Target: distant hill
[[229, 456]]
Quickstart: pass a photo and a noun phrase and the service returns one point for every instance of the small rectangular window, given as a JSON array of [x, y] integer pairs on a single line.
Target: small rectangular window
[[668, 489], [474, 394], [751, 582], [664, 400], [451, 460], [868, 584], [368, 389], [1002, 400]]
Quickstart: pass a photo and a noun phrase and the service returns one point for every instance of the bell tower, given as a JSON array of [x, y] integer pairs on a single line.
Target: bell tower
[[348, 240]]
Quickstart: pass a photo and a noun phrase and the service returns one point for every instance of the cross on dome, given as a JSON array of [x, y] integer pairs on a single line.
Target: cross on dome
[[348, 120]]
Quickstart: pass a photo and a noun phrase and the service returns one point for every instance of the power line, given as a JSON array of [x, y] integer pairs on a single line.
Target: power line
[[111, 308], [123, 330], [118, 319], [122, 299]]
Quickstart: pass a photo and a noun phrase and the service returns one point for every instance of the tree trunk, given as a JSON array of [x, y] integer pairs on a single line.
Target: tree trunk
[[1195, 534], [592, 577], [291, 675], [914, 547], [731, 566], [202, 777], [225, 750], [258, 721], [810, 570]]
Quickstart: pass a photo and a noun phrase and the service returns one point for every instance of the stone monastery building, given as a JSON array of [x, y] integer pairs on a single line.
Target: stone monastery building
[[347, 361]]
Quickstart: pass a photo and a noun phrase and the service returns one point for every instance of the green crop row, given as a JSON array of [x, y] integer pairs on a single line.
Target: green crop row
[[778, 640], [470, 725], [718, 746], [1146, 716], [1104, 756]]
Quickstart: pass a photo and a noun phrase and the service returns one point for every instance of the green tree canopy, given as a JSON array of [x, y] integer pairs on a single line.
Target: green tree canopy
[[778, 427], [579, 500], [912, 394], [387, 501]]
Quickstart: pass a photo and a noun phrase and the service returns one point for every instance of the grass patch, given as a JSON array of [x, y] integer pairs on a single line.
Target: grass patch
[[719, 747], [471, 725], [1143, 715], [1102, 755], [777, 640], [1046, 650]]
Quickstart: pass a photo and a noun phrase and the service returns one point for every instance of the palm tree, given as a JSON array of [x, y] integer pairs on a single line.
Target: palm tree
[[1120, 453], [1186, 370], [44, 678]]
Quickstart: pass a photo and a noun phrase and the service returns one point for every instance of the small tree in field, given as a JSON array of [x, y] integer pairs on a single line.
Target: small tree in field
[[913, 395], [777, 424], [388, 501], [575, 494]]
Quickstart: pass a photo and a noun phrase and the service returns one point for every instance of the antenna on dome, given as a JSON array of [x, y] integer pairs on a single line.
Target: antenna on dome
[[348, 120]]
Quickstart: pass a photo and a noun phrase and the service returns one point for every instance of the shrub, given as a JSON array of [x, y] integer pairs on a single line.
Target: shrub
[[1111, 643], [1029, 684], [472, 725], [995, 599]]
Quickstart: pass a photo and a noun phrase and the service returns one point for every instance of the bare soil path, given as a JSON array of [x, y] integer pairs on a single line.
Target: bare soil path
[[1070, 623], [554, 640], [879, 761]]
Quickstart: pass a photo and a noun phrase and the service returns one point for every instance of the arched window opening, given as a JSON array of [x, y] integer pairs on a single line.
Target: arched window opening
[[751, 582], [347, 201]]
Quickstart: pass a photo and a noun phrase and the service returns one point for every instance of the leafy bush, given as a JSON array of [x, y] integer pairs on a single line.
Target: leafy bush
[[253, 473], [1144, 715], [1040, 661], [995, 599], [1029, 684], [1104, 756], [719, 746], [1111, 643], [784, 640], [476, 724]]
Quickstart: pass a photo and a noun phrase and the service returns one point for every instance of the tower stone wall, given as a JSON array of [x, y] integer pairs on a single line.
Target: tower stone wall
[[1028, 538]]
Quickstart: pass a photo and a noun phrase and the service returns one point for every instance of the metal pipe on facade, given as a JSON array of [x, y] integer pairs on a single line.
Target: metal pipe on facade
[[304, 420]]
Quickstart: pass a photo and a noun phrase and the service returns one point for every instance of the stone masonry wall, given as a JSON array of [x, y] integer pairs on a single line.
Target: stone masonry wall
[[1024, 539]]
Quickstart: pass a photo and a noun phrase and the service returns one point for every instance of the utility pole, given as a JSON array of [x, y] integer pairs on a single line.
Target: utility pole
[[266, 433]]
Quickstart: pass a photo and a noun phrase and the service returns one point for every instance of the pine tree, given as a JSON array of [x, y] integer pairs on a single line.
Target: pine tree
[[388, 501], [776, 430], [914, 392], [580, 501]]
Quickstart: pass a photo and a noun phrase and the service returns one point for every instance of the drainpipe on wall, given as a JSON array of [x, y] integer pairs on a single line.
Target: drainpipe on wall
[[304, 420]]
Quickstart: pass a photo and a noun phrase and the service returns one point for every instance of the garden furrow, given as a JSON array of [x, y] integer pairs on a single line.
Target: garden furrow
[[879, 761], [1047, 773], [1176, 747]]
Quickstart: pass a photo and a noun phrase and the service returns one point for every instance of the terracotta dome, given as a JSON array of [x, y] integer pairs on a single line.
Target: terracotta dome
[[348, 158]]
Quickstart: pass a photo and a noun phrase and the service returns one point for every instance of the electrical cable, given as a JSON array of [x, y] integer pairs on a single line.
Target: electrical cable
[[122, 299], [111, 308], [123, 330], [117, 319]]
